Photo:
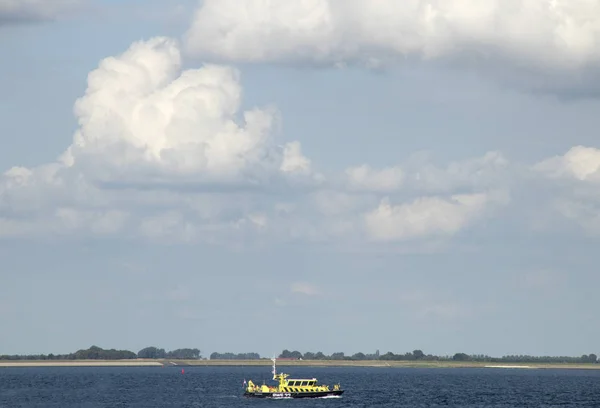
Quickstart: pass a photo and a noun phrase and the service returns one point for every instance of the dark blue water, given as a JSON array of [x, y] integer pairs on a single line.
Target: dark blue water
[[150, 387]]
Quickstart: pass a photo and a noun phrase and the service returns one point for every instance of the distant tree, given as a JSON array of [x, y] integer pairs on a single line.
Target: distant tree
[[591, 358], [152, 352], [460, 357], [320, 356], [98, 353], [248, 356], [232, 356], [388, 356], [222, 356], [418, 354], [359, 356], [184, 354], [290, 354], [337, 356], [309, 356]]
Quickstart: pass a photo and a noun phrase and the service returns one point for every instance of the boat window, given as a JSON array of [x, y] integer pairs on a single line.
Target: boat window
[[291, 383], [304, 383]]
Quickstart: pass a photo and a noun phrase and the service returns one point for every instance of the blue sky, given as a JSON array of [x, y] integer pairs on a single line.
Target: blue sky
[[256, 176]]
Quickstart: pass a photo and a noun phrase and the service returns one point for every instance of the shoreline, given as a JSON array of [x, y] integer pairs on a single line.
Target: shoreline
[[297, 363], [78, 363]]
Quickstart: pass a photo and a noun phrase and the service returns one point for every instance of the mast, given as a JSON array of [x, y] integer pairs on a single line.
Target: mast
[[278, 377]]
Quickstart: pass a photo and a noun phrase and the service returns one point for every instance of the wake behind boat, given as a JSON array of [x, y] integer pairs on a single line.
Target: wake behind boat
[[291, 388]]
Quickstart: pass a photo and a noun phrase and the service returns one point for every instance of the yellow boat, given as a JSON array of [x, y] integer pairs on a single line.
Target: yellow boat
[[291, 388]]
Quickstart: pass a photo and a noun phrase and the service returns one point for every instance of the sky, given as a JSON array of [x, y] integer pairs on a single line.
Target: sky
[[319, 175]]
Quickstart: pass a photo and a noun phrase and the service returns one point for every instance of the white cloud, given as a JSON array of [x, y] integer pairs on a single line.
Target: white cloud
[[364, 177], [167, 155], [31, 10], [425, 216], [153, 136], [142, 118], [419, 173], [293, 159], [539, 34], [574, 178], [414, 200], [170, 225], [331, 203], [488, 171], [580, 163]]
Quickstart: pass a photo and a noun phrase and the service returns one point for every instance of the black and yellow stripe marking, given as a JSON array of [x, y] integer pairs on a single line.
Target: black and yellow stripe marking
[[297, 389]]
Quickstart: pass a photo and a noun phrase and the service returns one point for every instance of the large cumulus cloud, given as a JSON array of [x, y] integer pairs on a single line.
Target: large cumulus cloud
[[141, 118], [153, 135], [554, 37], [166, 153], [170, 154]]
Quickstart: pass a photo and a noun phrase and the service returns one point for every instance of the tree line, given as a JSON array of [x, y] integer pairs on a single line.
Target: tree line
[[420, 355], [98, 353], [157, 353], [233, 356], [410, 356]]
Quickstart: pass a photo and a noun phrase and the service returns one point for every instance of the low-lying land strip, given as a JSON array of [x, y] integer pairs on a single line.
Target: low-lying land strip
[[306, 363], [78, 363]]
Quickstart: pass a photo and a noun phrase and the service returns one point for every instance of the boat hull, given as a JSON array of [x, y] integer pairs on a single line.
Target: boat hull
[[316, 394]]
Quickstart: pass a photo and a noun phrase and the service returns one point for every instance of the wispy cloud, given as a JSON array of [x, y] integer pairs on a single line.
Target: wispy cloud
[[430, 306], [187, 313], [279, 302], [542, 280], [179, 294], [305, 289], [27, 11]]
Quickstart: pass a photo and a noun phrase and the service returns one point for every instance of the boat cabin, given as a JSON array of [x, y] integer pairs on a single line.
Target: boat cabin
[[301, 382]]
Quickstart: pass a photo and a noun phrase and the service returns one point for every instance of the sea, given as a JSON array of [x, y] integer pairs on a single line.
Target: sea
[[206, 386]]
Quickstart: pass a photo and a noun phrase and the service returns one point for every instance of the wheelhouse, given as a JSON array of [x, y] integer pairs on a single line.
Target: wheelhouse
[[302, 382]]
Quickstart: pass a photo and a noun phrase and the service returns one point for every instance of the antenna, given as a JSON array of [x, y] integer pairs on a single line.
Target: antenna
[[274, 369]]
